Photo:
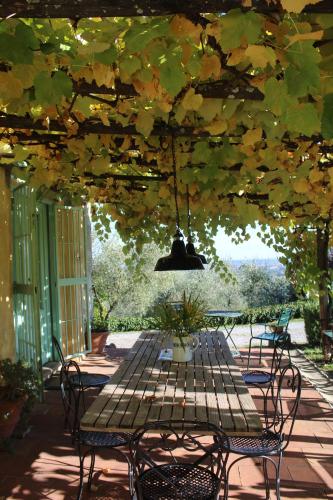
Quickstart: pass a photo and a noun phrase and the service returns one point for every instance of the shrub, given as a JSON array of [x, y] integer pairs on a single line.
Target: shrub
[[312, 323], [254, 315]]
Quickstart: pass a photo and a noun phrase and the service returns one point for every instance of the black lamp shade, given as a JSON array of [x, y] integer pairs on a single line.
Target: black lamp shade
[[178, 259], [191, 251]]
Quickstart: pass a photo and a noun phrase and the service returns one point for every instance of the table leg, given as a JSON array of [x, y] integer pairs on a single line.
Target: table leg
[[228, 335]]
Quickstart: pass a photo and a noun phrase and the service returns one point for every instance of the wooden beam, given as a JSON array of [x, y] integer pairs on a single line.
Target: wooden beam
[[77, 9], [97, 127], [221, 89], [7, 335]]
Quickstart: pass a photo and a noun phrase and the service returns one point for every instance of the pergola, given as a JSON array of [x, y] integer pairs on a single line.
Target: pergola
[[95, 95]]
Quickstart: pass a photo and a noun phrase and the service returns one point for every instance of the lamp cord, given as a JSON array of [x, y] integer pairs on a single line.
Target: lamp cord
[[175, 180]]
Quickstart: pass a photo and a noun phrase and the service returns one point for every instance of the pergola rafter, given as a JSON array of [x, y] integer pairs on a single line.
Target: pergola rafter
[[76, 9]]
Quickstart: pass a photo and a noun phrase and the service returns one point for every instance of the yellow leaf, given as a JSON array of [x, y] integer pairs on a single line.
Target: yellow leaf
[[210, 108], [192, 101], [25, 73], [165, 106], [210, 67], [144, 122], [316, 175], [11, 87], [252, 136], [104, 118], [260, 56], [164, 192], [103, 74], [313, 35], [100, 165], [301, 186], [92, 48], [236, 56], [297, 5], [217, 127], [183, 27]]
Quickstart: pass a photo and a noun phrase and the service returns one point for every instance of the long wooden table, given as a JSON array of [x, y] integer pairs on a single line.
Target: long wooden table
[[209, 388]]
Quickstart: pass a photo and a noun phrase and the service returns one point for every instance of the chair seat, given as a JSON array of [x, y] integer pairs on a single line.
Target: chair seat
[[271, 336], [91, 379], [266, 444], [257, 377], [178, 481], [105, 439]]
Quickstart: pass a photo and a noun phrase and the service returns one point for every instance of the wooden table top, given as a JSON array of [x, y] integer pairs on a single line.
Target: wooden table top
[[209, 388]]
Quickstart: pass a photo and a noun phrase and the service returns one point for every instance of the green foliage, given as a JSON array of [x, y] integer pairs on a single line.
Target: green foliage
[[312, 323], [254, 315], [182, 319], [18, 379], [260, 288], [100, 321]]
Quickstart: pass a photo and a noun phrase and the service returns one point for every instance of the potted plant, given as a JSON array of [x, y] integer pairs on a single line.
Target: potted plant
[[99, 330], [19, 389], [180, 321]]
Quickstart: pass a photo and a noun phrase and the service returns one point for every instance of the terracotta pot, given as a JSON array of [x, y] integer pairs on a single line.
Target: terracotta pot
[[98, 341], [10, 412]]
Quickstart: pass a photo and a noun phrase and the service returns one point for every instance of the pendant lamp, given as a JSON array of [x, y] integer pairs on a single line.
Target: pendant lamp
[[178, 259], [189, 246]]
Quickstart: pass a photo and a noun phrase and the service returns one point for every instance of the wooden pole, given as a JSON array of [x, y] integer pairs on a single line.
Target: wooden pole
[[7, 335], [323, 285]]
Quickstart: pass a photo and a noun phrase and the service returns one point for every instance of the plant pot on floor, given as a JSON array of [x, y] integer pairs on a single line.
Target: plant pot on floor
[[10, 413], [98, 341]]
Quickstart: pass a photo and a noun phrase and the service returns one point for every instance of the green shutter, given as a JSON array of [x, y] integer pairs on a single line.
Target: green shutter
[[25, 275], [69, 277]]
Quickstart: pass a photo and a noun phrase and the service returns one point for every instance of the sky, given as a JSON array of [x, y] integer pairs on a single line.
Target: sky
[[251, 249]]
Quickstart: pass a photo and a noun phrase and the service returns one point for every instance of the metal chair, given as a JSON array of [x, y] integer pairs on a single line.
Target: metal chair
[[160, 471], [272, 332], [87, 380], [264, 380], [274, 438], [71, 394]]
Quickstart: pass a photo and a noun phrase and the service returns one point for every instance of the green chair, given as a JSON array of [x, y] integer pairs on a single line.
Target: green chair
[[272, 332]]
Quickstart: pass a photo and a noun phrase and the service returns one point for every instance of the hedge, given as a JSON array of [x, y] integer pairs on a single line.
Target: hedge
[[312, 323], [254, 315]]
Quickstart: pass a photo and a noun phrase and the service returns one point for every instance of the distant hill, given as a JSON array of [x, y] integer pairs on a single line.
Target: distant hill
[[272, 265]]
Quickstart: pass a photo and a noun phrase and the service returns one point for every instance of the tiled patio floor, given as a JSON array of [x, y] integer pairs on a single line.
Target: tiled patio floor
[[44, 465]]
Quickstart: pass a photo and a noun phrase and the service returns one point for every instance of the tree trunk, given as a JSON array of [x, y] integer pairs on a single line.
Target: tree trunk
[[323, 285]]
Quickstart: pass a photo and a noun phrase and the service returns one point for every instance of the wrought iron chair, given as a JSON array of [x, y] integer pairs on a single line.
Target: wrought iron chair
[[87, 380], [160, 471], [274, 438], [71, 394], [264, 380], [272, 332]]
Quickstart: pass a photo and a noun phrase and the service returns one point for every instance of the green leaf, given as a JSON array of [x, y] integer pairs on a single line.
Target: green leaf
[[138, 36], [276, 96], [109, 56], [18, 48], [327, 117], [172, 78], [51, 90], [302, 75], [201, 152], [130, 65], [303, 119], [238, 27]]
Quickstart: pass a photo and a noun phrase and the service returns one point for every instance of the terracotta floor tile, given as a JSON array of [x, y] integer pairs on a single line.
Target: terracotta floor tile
[[44, 464]]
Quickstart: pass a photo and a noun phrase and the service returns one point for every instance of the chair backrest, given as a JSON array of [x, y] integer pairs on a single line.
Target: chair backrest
[[284, 318], [286, 399], [71, 394], [178, 442], [57, 347]]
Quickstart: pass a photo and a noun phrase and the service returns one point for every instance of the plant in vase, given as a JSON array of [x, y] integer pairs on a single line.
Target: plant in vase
[[99, 330], [19, 389], [180, 321]]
